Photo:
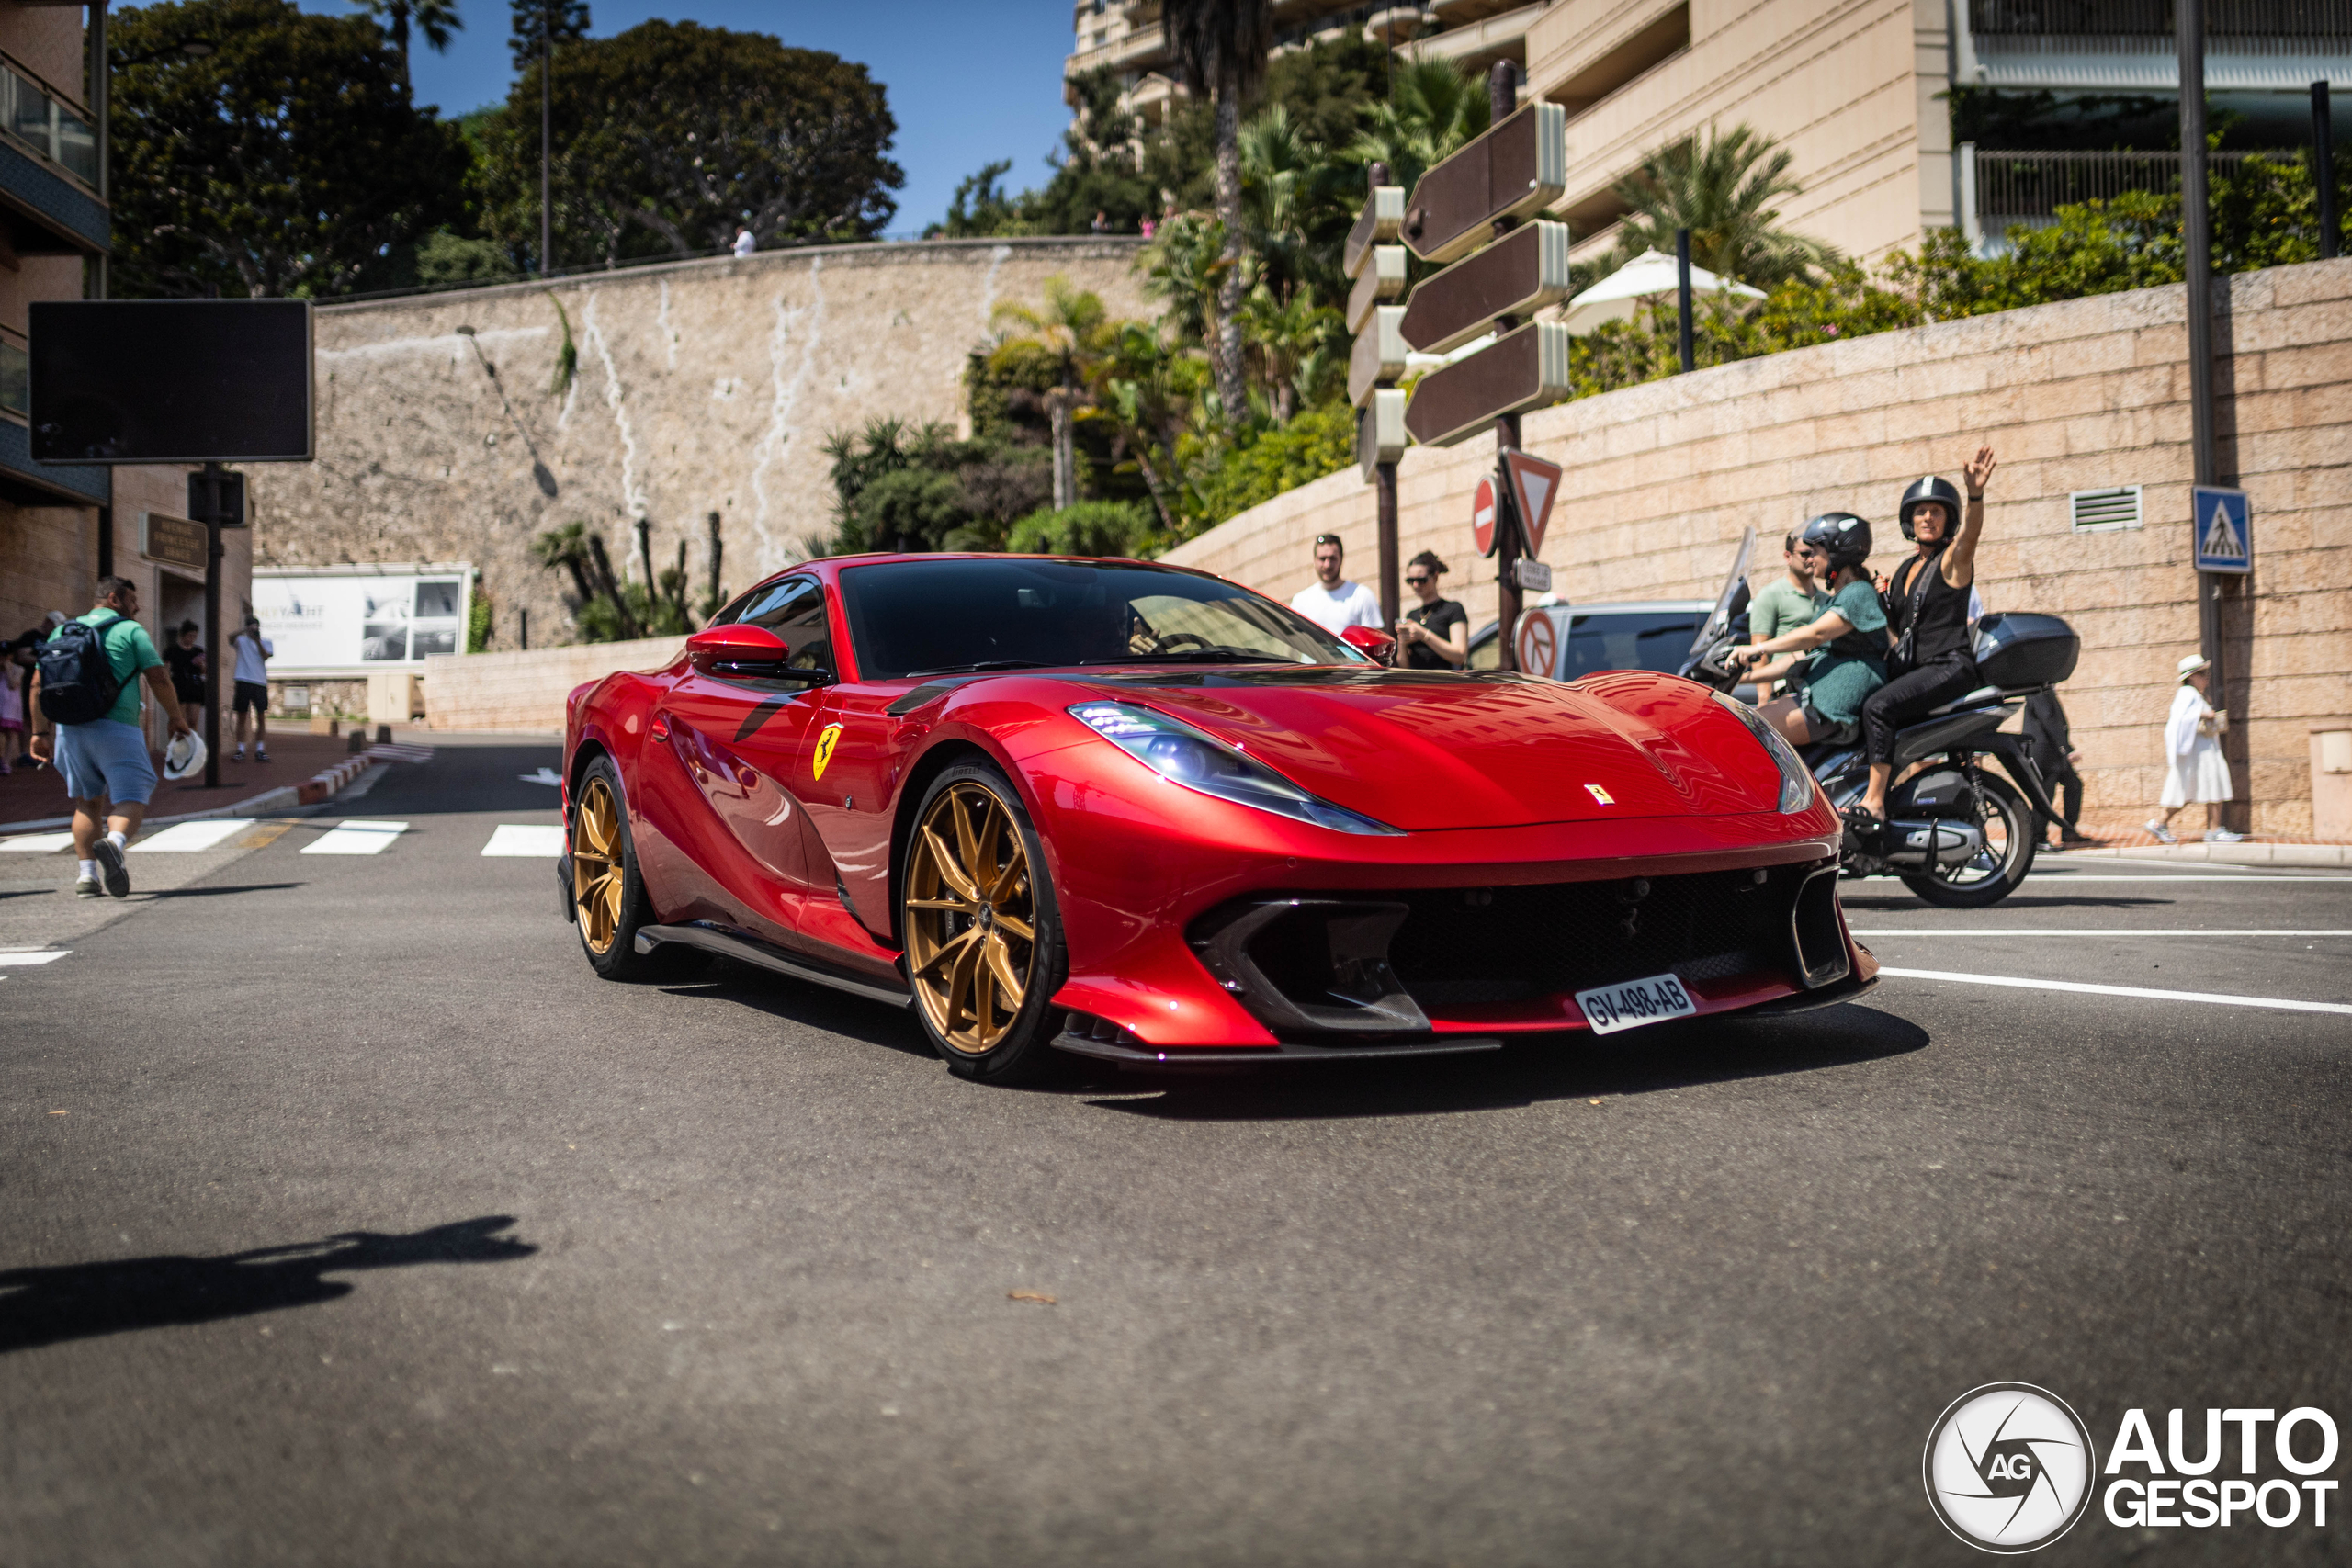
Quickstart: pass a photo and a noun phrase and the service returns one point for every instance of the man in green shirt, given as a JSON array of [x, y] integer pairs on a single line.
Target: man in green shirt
[[105, 761], [1789, 603]]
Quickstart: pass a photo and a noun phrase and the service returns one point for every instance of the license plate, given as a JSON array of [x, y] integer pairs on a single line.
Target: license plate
[[1636, 1002]]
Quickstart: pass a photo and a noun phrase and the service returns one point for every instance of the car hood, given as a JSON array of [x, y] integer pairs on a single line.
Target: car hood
[[1426, 751]]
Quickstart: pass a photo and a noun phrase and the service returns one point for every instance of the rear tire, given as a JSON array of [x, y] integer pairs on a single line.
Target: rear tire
[[2009, 825], [609, 904], [983, 931]]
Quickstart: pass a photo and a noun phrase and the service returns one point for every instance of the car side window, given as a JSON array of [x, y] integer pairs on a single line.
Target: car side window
[[734, 611], [772, 606], [795, 610]]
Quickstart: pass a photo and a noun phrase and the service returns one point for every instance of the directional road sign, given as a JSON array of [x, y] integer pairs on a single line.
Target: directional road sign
[[1383, 279], [1518, 167], [1379, 353], [1521, 369], [2224, 525], [1534, 485], [1380, 429], [1383, 214], [1517, 275], [1482, 515]]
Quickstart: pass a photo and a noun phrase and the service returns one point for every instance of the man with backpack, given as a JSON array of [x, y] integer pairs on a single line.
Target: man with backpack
[[85, 709]]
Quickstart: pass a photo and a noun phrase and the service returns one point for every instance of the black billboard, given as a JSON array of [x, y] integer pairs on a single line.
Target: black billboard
[[171, 381]]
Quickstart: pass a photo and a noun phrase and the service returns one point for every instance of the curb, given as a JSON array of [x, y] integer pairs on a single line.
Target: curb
[[260, 804], [324, 785], [2336, 855]]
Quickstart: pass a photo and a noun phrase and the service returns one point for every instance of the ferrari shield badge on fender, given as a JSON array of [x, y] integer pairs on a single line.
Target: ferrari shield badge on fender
[[825, 744], [1593, 790]]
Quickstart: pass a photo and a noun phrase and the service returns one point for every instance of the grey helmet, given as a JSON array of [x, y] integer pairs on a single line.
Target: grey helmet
[[1931, 487], [1842, 538]]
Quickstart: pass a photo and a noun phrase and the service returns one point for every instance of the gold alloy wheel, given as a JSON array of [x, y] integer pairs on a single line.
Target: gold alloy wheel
[[971, 917], [596, 866]]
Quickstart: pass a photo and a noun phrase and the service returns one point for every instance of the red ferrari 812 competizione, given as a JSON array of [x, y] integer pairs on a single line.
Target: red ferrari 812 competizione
[[1146, 814]]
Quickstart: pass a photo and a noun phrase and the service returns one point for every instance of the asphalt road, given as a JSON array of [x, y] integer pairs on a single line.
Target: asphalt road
[[345, 1218]]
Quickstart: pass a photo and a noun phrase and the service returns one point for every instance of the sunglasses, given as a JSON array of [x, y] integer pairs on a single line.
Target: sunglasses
[[1420, 580]]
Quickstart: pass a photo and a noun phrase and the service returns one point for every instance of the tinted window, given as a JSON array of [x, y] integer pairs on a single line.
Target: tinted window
[[795, 610], [1656, 640], [918, 617]]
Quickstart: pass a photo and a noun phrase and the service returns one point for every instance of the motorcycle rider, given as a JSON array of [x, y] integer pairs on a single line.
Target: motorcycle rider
[[1927, 610], [1847, 642]]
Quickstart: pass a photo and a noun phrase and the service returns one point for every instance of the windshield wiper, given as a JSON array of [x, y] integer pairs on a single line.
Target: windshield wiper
[[975, 669]]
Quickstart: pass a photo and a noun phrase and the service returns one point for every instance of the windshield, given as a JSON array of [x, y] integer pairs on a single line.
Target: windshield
[[1640, 641], [936, 617]]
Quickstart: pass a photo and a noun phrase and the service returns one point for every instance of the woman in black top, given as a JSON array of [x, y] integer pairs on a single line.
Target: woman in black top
[[1435, 633], [187, 662], [1927, 610]]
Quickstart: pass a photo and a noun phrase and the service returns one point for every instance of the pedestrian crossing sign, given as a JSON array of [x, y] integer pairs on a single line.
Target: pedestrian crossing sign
[[2224, 529]]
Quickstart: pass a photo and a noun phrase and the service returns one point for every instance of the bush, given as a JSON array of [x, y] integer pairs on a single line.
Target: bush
[[1089, 528], [1231, 474]]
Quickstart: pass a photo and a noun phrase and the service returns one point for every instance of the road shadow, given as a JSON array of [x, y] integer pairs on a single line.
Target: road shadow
[[86, 1301], [2010, 905], [806, 1002], [1566, 1067], [217, 892]]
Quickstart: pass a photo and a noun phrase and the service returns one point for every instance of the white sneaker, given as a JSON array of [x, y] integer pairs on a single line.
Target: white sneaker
[[2223, 836], [2163, 834]]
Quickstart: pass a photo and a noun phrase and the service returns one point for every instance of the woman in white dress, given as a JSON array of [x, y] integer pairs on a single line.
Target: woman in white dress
[[2195, 769]]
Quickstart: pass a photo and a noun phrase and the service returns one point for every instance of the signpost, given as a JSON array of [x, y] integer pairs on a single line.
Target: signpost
[[1482, 515], [2224, 527], [1538, 644], [1534, 485], [1376, 361], [1523, 369], [1518, 166], [1523, 271]]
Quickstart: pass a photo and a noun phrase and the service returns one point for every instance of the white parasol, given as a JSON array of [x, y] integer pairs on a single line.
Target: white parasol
[[1647, 276]]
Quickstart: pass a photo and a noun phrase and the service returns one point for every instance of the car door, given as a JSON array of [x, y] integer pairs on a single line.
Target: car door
[[725, 746]]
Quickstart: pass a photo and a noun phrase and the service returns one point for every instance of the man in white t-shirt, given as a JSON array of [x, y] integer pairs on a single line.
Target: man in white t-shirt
[[1330, 600], [253, 652]]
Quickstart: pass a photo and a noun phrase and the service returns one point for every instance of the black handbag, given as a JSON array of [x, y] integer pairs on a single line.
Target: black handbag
[[1905, 657]]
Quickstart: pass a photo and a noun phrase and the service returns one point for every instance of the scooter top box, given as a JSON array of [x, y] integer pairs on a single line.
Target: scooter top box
[[2017, 648]]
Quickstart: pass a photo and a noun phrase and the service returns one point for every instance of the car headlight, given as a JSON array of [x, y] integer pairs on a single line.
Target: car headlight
[[1796, 780], [1182, 755]]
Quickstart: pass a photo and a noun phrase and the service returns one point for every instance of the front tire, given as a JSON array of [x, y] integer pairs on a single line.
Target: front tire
[[2011, 840], [983, 931]]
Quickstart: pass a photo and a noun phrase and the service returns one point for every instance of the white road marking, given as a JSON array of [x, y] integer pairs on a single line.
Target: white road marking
[[2217, 877], [18, 958], [2085, 931], [187, 838], [398, 751], [2213, 996], [545, 775], [355, 838], [526, 840], [37, 843]]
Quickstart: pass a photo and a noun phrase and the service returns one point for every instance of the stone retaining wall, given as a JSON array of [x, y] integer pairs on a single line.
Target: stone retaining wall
[[523, 693], [2082, 395]]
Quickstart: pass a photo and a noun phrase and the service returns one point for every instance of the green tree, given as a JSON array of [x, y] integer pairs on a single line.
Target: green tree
[[537, 23], [1070, 334], [1432, 109], [898, 486], [288, 162], [437, 20], [671, 134], [1222, 45], [1722, 188], [1089, 528]]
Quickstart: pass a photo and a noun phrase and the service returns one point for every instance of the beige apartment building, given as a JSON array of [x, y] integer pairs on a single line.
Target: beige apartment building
[[60, 528], [1858, 90]]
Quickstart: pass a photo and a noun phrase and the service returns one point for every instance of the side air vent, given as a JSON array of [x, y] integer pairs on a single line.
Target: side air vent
[[2099, 511]]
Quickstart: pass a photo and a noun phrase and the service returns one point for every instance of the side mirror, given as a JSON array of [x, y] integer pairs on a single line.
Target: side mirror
[[743, 647], [1374, 644]]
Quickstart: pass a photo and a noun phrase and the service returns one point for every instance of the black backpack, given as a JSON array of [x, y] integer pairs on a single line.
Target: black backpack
[[77, 680]]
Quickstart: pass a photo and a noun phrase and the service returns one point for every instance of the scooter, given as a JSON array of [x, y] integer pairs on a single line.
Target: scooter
[[1957, 834]]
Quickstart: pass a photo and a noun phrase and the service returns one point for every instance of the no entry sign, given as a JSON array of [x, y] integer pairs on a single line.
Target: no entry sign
[[1482, 515]]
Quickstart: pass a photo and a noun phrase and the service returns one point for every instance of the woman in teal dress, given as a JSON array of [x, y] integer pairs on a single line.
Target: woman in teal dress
[[1843, 652]]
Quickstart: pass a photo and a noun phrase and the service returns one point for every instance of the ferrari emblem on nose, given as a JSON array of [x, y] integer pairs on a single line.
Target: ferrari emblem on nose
[[1599, 794], [825, 744]]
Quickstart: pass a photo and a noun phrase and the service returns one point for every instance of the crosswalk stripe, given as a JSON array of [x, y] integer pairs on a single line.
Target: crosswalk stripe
[[357, 838], [2216, 998], [22, 957], [187, 838], [398, 751], [533, 840], [37, 843]]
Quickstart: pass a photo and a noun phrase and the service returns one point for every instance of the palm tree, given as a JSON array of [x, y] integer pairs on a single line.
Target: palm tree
[[1432, 109], [1147, 386], [1073, 331], [436, 19], [1721, 191], [1222, 45]]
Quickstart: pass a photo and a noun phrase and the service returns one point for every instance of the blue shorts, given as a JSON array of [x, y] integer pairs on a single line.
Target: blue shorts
[[105, 757]]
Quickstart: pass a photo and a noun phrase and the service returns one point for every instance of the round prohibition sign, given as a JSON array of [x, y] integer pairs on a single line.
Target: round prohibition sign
[[1482, 515], [1538, 644]]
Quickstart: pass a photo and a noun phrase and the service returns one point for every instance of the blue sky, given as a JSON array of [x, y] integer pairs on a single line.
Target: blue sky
[[968, 82]]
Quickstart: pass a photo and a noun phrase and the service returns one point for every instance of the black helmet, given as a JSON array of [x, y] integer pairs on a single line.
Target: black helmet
[[1930, 487], [1842, 538]]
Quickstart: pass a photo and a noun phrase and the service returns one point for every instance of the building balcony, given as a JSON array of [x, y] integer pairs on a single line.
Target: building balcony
[[1475, 42], [49, 170], [2126, 46], [2003, 188]]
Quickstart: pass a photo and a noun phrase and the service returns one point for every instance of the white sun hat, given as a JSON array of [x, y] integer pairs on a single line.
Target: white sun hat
[[183, 755]]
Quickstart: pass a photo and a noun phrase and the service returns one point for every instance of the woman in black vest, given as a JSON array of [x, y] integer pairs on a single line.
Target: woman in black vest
[[1927, 609]]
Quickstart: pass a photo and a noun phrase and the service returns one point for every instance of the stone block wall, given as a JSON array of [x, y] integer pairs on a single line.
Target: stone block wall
[[2087, 394], [446, 431], [523, 693]]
